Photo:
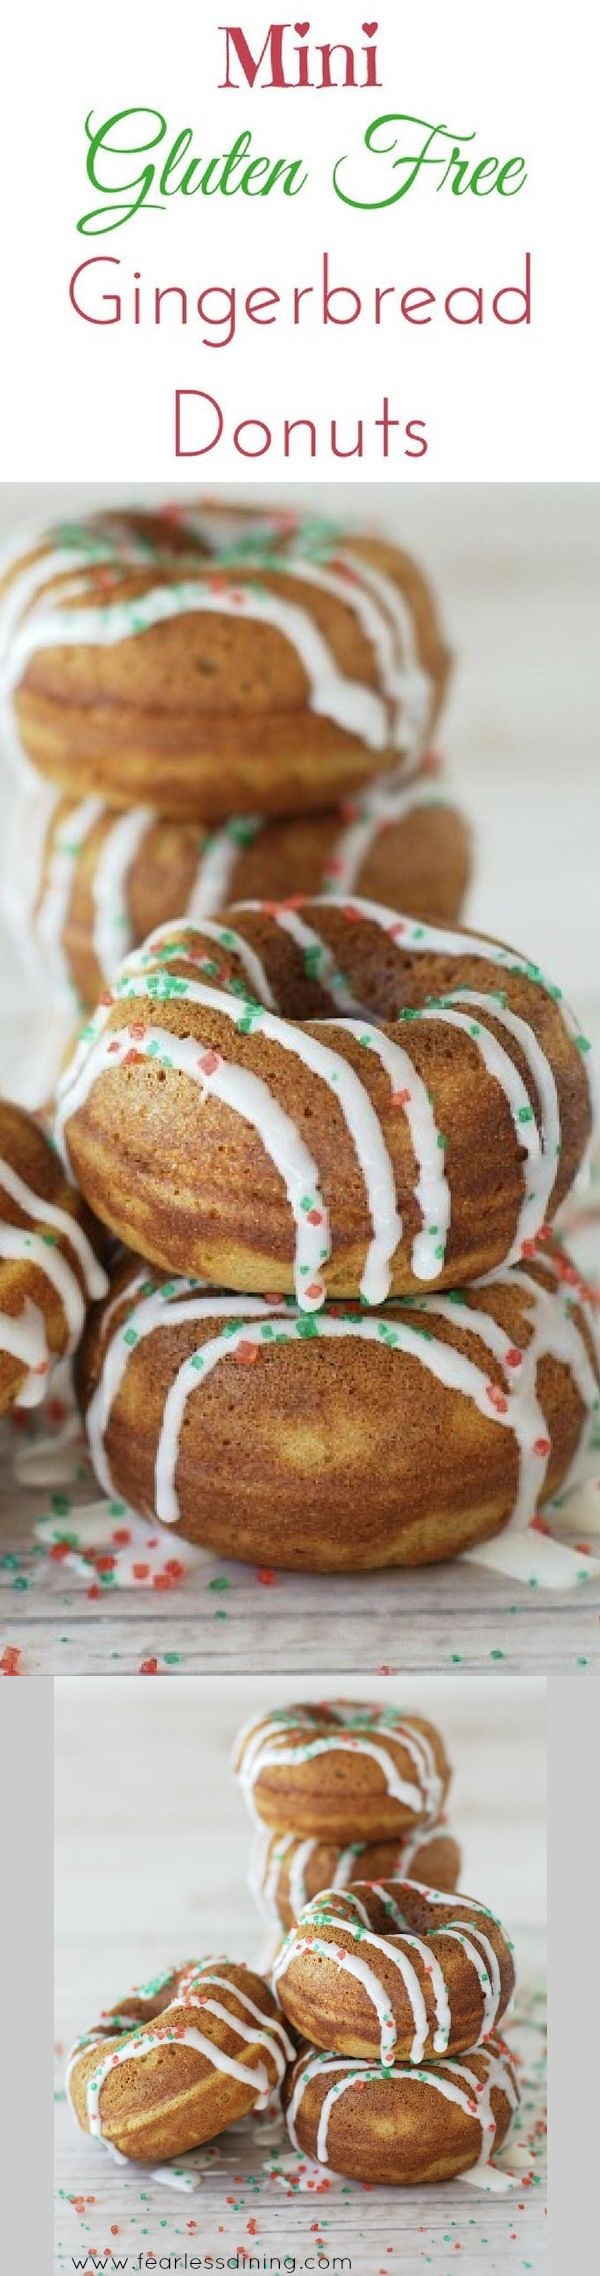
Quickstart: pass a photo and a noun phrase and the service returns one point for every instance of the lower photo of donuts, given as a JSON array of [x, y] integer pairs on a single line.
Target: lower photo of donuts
[[356, 2025]]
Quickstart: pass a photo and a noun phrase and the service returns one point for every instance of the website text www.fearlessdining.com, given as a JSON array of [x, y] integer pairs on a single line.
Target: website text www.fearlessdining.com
[[184, 2261]]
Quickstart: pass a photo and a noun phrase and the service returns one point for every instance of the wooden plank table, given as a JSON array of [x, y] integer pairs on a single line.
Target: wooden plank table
[[152, 1843]]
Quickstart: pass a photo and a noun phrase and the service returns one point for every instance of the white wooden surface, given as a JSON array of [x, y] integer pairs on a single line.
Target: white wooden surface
[[517, 569], [152, 1846]]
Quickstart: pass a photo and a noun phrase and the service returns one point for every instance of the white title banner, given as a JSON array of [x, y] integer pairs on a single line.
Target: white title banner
[[332, 247]]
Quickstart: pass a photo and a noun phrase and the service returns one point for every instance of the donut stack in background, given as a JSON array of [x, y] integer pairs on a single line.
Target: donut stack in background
[[394, 1985], [342, 1792], [330, 1135], [202, 705], [378, 2028]]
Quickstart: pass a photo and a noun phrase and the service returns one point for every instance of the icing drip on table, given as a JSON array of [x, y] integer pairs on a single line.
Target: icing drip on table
[[353, 1918]]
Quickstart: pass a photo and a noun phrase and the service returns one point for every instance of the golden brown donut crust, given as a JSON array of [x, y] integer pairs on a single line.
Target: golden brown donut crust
[[24, 1146], [223, 1213], [331, 1769], [394, 2128], [331, 2006], [208, 714], [421, 862], [175, 2098], [354, 1455], [433, 1857]]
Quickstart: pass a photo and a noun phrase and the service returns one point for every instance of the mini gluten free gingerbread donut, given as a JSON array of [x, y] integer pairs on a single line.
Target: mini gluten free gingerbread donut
[[50, 1266], [397, 2124], [351, 1103], [179, 2060], [395, 1971], [342, 1769], [401, 1436], [286, 1870], [275, 684], [84, 883]]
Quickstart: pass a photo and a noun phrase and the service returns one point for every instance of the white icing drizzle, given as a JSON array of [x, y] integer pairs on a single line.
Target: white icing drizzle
[[48, 1213], [149, 972], [217, 865], [112, 937], [356, 709], [555, 1331], [29, 822], [381, 807], [252, 963], [314, 950], [413, 687], [427, 939], [372, 598], [250, 1095], [354, 1919], [356, 1731], [431, 1188], [265, 2031], [455, 2082], [23, 1337], [270, 1852], [50, 917]]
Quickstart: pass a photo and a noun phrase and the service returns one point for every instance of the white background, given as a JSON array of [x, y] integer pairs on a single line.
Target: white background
[[78, 400]]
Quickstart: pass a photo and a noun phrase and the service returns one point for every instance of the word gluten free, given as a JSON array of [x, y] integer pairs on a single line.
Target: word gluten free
[[399, 152]]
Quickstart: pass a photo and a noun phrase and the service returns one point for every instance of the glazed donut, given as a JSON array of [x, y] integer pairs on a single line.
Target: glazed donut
[[179, 2060], [49, 1269], [339, 1441], [425, 1974], [84, 883], [342, 1769], [401, 2125], [277, 684], [286, 1872], [410, 1108]]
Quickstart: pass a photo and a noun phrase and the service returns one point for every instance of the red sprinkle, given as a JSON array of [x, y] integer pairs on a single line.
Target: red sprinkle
[[246, 1353], [497, 1398], [267, 1578], [148, 1667], [9, 1663]]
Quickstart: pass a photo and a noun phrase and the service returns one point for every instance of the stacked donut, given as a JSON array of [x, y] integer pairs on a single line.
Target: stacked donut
[[379, 2029], [179, 2060], [395, 1985], [353, 1129], [339, 1792], [331, 1136], [200, 705], [51, 1265]]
